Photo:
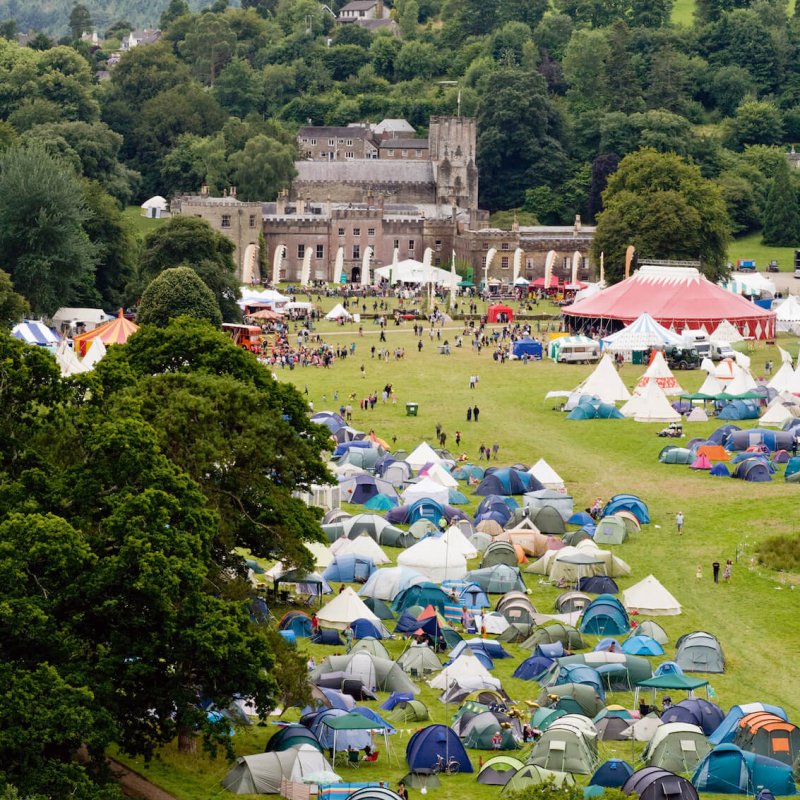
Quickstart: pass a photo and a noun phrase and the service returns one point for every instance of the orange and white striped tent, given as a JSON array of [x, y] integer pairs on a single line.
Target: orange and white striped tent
[[117, 331]]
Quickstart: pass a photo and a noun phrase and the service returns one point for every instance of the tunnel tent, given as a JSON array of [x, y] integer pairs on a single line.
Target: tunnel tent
[[291, 735], [610, 530], [677, 747], [531, 775], [375, 673], [563, 749], [572, 601], [729, 770], [410, 711], [695, 711], [768, 735], [387, 583], [727, 729], [498, 770], [558, 632], [262, 773], [499, 552], [676, 455], [654, 783], [498, 579], [574, 698], [699, 652]]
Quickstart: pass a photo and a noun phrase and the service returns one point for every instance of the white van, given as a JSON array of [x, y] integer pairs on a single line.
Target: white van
[[699, 340], [721, 350], [578, 353]]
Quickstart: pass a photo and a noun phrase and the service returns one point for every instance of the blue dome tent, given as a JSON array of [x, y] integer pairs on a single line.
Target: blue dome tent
[[425, 746], [628, 502], [605, 616], [612, 774]]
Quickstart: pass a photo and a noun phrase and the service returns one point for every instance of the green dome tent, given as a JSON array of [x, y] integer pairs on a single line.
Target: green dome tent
[[499, 770], [531, 775], [610, 530], [555, 632], [410, 711], [419, 659]]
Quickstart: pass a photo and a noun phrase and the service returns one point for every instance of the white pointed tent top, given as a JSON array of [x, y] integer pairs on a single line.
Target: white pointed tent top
[[426, 488], [654, 406], [97, 350], [605, 383], [434, 559], [68, 362], [363, 545], [421, 455], [465, 668], [697, 414], [454, 539], [642, 333], [439, 474], [711, 386], [659, 372], [726, 331], [786, 356], [785, 379], [789, 309], [343, 609], [546, 475], [650, 597], [776, 414], [338, 311]]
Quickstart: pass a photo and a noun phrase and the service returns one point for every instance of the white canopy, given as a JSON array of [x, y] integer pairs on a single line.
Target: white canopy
[[266, 297], [433, 558], [642, 333], [650, 597], [788, 312], [343, 609], [659, 372], [547, 476], [421, 455], [428, 489], [411, 271], [605, 383], [337, 312]]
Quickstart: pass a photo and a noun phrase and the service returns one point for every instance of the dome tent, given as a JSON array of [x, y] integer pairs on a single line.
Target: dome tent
[[262, 773], [695, 711], [604, 616], [426, 745], [612, 773], [498, 770], [677, 747], [699, 652], [654, 783], [730, 770]]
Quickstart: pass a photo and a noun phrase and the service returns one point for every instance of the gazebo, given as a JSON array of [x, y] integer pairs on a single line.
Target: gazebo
[[500, 313], [117, 331]]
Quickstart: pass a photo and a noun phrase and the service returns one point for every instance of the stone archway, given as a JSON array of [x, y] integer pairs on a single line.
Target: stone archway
[[355, 275]]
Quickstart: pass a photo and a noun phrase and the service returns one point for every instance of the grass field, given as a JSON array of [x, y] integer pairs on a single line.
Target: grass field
[[752, 247], [755, 616], [141, 225], [683, 12]]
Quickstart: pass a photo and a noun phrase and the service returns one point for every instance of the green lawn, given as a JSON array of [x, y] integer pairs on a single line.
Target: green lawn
[[752, 247], [755, 617], [141, 225], [683, 12]]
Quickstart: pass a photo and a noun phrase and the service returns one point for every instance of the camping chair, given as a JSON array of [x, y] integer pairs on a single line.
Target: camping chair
[[372, 757], [353, 759]]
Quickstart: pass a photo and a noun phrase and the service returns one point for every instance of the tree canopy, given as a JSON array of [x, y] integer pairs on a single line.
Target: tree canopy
[[666, 209], [176, 292]]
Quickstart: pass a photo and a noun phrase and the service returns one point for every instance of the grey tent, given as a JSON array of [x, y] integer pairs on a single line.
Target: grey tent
[[699, 652], [677, 746], [419, 659], [569, 602], [574, 698], [499, 770], [531, 775], [372, 646], [516, 632], [378, 608], [373, 672], [548, 520], [563, 748], [551, 632], [499, 553], [653, 630], [563, 503], [262, 773], [497, 580], [519, 611]]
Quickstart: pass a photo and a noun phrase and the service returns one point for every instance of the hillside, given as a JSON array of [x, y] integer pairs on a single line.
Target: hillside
[[51, 16]]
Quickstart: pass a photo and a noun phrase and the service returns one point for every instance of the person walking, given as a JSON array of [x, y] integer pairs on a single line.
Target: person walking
[[469, 414], [495, 449], [715, 568], [679, 521], [482, 451], [438, 430], [698, 574], [442, 439], [728, 571], [458, 438], [348, 638], [475, 412]]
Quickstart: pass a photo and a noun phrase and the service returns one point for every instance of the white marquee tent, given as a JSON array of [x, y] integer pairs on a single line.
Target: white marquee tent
[[433, 558], [339, 612], [338, 312], [411, 271], [650, 597]]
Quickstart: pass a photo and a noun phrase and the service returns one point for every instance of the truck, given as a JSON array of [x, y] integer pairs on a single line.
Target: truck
[[720, 351], [697, 339], [682, 357]]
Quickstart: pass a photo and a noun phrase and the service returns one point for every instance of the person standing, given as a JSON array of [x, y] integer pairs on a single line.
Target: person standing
[[466, 619], [679, 521], [314, 625], [442, 439], [438, 430], [482, 451], [348, 638], [458, 438], [715, 568], [469, 414], [495, 449], [699, 573], [475, 412], [402, 792], [728, 571]]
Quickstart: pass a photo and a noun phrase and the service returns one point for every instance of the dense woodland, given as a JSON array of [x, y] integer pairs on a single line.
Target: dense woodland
[[562, 94]]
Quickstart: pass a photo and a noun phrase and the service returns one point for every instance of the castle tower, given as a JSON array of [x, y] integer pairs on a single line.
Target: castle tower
[[452, 152]]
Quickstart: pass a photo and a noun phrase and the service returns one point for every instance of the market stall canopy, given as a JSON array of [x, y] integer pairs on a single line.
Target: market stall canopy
[[411, 271]]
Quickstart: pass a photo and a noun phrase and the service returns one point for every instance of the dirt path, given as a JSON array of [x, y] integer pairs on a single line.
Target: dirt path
[[135, 785]]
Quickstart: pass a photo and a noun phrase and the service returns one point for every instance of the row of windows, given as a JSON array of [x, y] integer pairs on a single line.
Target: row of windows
[[404, 153], [226, 220], [331, 142], [320, 251], [357, 232], [503, 246]]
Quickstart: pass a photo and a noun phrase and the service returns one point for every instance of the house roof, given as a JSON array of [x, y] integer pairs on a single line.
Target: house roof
[[359, 5], [341, 131], [405, 144], [394, 125], [369, 170]]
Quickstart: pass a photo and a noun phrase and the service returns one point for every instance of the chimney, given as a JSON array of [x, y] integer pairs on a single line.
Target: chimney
[[204, 190], [379, 10], [280, 203], [577, 223], [301, 205]]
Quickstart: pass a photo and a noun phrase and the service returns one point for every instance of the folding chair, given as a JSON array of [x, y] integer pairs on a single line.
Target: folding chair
[[353, 759]]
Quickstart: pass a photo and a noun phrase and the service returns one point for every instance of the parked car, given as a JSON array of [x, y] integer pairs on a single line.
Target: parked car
[[773, 266], [682, 357]]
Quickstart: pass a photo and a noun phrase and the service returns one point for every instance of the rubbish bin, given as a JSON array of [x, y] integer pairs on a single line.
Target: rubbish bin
[[411, 409]]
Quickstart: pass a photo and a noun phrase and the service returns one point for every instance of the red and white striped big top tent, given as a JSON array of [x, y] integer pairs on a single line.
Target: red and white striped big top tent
[[677, 298]]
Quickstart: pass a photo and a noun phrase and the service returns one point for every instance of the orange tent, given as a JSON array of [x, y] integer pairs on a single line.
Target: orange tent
[[714, 452], [115, 332]]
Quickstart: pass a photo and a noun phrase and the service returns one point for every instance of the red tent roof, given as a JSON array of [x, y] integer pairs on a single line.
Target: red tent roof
[[116, 331], [675, 296], [539, 283]]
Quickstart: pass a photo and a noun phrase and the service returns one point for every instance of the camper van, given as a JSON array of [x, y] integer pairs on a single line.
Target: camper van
[[578, 353], [699, 340], [720, 351]]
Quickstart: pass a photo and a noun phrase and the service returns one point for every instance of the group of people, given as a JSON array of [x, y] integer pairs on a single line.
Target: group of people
[[727, 572], [472, 413], [485, 452]]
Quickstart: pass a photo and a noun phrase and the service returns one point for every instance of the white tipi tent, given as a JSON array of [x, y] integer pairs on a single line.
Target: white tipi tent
[[776, 414], [343, 609], [547, 476], [659, 372], [439, 474], [465, 670], [428, 489], [787, 313], [654, 406], [337, 312], [697, 414], [421, 455], [454, 539], [363, 545], [650, 597], [97, 350], [605, 383], [727, 332]]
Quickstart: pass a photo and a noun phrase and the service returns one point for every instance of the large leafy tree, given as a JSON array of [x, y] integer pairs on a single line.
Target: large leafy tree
[[663, 206], [43, 244], [520, 137], [262, 168], [12, 304], [175, 292], [781, 213], [192, 242]]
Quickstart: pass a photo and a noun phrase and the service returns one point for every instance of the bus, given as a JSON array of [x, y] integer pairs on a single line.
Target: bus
[[247, 337]]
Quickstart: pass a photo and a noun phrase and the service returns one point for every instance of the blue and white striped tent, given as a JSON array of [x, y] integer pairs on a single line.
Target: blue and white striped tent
[[642, 333], [34, 332]]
